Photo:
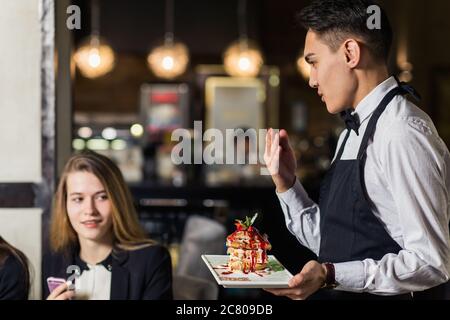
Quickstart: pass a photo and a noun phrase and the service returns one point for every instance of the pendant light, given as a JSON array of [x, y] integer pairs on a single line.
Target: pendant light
[[94, 57], [170, 59], [243, 57]]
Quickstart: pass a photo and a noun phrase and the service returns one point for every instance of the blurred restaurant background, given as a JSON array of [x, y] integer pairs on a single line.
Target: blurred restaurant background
[[136, 70]]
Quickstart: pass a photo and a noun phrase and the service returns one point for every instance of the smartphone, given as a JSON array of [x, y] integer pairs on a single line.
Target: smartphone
[[53, 283]]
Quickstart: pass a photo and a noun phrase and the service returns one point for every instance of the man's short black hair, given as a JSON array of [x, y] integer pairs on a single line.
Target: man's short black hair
[[334, 20]]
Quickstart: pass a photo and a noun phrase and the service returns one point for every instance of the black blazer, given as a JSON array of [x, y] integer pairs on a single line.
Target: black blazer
[[13, 279], [143, 274]]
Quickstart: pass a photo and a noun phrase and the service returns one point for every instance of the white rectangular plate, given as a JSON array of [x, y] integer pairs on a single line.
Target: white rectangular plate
[[276, 277]]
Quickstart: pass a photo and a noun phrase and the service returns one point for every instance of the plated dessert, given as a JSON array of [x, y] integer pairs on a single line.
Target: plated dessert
[[247, 248]]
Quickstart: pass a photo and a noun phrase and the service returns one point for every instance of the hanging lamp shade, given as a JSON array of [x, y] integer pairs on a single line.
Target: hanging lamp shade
[[243, 59], [94, 57], [168, 60]]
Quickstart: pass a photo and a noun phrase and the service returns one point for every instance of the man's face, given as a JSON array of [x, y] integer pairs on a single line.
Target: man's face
[[330, 74]]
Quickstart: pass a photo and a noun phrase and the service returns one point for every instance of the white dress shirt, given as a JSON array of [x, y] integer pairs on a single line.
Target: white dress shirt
[[407, 177], [94, 284]]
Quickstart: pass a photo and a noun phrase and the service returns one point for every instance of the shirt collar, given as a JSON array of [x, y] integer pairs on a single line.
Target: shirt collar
[[107, 263], [368, 105]]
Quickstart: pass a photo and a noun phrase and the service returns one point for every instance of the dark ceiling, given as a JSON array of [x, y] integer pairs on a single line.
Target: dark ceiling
[[206, 26]]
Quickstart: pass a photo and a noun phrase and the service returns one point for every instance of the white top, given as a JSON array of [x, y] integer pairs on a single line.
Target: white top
[[407, 177], [94, 284]]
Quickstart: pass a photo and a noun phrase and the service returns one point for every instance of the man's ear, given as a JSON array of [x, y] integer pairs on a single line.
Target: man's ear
[[352, 51]]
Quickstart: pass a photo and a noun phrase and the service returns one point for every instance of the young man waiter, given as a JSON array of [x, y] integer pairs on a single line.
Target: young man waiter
[[381, 227]]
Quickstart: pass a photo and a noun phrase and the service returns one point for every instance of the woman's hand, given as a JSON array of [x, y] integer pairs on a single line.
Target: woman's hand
[[61, 293]]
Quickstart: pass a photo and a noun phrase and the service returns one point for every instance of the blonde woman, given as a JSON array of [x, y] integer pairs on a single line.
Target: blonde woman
[[95, 229]]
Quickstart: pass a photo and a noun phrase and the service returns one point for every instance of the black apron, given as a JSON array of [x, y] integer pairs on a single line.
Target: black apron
[[349, 229]]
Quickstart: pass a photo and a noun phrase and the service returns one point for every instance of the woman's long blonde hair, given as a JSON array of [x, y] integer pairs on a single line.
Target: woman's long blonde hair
[[127, 232]]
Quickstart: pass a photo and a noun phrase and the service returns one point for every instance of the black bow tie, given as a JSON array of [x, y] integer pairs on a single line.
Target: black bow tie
[[351, 121]]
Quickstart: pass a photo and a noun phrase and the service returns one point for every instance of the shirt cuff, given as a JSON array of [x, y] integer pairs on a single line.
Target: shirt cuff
[[350, 276], [296, 195]]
